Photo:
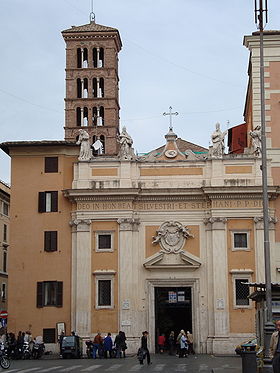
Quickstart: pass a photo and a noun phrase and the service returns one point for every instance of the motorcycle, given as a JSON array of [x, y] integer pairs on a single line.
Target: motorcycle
[[89, 349], [38, 350], [5, 362], [26, 353]]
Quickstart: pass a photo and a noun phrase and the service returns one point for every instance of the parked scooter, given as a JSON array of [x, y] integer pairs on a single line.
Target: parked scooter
[[38, 348], [26, 352], [4, 360], [89, 349]]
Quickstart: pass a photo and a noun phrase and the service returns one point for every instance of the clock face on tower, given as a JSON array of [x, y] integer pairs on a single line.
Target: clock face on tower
[[171, 153]]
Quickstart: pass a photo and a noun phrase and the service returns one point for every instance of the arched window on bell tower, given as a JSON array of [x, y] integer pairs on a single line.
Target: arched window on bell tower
[[82, 116], [78, 117], [82, 58], [96, 140], [98, 116], [82, 88], [98, 87], [98, 57]]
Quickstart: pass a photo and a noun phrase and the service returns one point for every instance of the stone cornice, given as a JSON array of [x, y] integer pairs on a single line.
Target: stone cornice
[[170, 194]]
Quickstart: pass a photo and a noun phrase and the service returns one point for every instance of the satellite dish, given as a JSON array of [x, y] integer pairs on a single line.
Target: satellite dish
[[97, 145]]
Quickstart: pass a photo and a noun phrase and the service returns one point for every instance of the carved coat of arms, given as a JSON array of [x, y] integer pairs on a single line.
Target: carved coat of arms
[[171, 236]]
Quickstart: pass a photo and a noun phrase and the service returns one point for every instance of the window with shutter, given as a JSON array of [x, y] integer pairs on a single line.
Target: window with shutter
[[48, 201], [50, 241], [59, 295], [40, 286], [49, 293], [51, 164]]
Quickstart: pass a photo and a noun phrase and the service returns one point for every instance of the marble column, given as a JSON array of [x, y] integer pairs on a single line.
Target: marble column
[[81, 277]]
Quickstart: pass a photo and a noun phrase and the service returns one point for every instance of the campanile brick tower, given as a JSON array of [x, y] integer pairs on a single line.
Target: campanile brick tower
[[92, 92]]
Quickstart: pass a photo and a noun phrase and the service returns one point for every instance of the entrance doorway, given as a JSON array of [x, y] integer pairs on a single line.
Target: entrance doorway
[[173, 310]]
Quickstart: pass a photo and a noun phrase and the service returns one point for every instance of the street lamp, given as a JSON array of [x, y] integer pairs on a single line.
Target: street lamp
[[260, 15]]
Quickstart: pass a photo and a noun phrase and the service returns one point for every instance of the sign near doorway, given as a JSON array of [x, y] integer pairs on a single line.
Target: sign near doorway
[[181, 296], [172, 297]]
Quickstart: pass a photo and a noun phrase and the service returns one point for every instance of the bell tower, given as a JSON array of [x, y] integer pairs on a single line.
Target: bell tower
[[92, 84]]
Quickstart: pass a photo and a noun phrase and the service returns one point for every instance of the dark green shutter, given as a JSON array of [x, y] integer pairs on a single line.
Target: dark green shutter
[[59, 294], [40, 290]]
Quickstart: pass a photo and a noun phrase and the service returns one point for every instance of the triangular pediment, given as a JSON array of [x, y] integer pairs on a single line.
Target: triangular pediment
[[180, 260]]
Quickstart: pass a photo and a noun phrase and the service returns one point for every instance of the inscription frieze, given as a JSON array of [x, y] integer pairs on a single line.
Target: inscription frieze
[[165, 206]]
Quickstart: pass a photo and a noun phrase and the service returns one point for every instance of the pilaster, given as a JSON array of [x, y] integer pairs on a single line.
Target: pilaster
[[220, 282], [81, 277], [128, 238], [259, 248]]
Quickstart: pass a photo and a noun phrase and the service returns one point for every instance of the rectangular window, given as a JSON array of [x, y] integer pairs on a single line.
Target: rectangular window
[[5, 261], [48, 202], [3, 292], [49, 335], [5, 233], [49, 293], [104, 241], [104, 293], [50, 240], [240, 240], [5, 209], [51, 164], [242, 292]]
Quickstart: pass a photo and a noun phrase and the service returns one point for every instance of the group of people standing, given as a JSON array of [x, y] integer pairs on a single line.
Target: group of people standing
[[181, 346], [102, 347]]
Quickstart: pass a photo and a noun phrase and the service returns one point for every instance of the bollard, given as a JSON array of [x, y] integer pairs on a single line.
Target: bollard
[[249, 361]]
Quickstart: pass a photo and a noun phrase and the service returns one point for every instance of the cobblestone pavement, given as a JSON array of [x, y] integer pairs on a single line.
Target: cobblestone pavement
[[160, 363]]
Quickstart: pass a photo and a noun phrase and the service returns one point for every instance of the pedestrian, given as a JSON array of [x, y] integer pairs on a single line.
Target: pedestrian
[[171, 343], [161, 343], [183, 344], [190, 343], [123, 343], [144, 348], [275, 348], [118, 344], [178, 339], [97, 345], [107, 346], [60, 339]]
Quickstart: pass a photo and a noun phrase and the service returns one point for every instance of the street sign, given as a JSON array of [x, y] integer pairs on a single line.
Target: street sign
[[3, 314]]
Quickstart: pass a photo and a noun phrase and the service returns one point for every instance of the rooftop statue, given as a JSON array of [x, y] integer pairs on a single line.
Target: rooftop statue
[[126, 150], [83, 141], [256, 140], [218, 138]]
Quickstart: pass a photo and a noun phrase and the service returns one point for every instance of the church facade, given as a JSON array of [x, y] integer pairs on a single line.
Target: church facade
[[103, 240]]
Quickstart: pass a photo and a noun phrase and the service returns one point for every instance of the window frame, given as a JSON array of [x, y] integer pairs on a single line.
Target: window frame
[[41, 295], [5, 208], [51, 165], [240, 277], [5, 261], [100, 233], [108, 277], [46, 338], [51, 242], [240, 231], [53, 200], [5, 233]]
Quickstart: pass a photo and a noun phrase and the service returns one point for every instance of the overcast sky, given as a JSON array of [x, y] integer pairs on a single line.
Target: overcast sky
[[185, 53]]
